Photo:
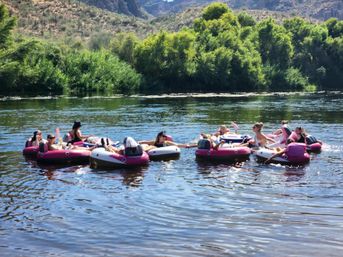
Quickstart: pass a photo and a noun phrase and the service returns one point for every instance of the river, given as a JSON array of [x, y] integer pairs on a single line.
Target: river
[[175, 208]]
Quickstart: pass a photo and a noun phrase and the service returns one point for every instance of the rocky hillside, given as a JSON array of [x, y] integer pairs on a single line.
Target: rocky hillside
[[61, 19], [319, 9], [127, 7], [176, 21], [70, 20]]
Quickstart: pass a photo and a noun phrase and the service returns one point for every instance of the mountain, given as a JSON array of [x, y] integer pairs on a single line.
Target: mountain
[[164, 7], [67, 20], [318, 9], [127, 7], [176, 21], [63, 19]]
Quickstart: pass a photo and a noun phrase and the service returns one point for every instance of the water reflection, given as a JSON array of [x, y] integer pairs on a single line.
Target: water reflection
[[294, 173], [180, 207], [132, 177]]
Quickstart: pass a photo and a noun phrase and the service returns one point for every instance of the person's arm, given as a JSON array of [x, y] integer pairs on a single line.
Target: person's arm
[[216, 146], [251, 141], [216, 134], [79, 135], [146, 142], [275, 155], [55, 147], [277, 132], [268, 138], [182, 145], [112, 149]]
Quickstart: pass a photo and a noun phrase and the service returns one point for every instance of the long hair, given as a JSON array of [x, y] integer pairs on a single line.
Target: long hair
[[77, 124], [34, 138], [157, 140]]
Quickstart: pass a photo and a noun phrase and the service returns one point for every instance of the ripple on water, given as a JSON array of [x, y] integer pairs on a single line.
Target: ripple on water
[[176, 208]]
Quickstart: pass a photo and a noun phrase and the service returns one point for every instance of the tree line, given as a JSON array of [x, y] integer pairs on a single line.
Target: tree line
[[220, 52]]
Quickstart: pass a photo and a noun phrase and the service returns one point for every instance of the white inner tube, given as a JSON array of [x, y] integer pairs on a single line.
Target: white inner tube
[[164, 151]]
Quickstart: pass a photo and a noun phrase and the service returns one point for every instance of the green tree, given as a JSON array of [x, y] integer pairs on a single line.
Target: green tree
[[335, 27], [100, 41], [214, 11], [214, 69], [124, 45], [245, 20], [31, 67], [168, 58], [99, 71], [7, 24], [151, 56], [275, 44]]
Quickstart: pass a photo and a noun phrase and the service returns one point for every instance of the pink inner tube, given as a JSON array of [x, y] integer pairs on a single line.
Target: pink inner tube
[[64, 156], [316, 147], [299, 160], [132, 160], [31, 150], [78, 143], [224, 153], [169, 138]]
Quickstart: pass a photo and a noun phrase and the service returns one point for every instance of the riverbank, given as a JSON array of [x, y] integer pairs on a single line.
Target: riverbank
[[181, 95]]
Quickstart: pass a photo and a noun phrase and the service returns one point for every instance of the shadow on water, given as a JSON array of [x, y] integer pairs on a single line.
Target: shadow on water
[[132, 176], [204, 166], [294, 174]]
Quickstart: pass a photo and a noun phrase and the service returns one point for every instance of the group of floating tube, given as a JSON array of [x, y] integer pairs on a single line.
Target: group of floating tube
[[230, 151]]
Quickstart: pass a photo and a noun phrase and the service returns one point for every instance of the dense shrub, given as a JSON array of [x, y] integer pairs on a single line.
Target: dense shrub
[[221, 52], [99, 71]]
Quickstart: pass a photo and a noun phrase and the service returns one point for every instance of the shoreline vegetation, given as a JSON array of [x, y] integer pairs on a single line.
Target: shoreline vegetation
[[221, 52]]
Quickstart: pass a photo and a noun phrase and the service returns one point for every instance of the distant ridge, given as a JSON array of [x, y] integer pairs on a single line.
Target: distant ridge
[[318, 9]]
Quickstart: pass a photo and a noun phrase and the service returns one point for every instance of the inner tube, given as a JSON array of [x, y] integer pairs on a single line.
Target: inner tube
[[314, 148], [164, 153], [31, 151], [234, 138], [64, 157], [229, 153], [295, 155], [313, 145], [100, 158]]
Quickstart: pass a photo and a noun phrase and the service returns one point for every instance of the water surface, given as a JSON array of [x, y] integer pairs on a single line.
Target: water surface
[[176, 208]]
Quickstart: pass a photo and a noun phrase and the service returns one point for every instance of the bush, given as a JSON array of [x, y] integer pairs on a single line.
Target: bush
[[99, 71], [215, 11], [290, 79]]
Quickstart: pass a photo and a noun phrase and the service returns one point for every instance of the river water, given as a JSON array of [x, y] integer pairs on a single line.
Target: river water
[[175, 208]]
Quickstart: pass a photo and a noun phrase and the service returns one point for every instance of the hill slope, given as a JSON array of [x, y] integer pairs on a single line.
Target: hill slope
[[68, 18], [176, 21], [319, 9], [63, 19], [128, 7]]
